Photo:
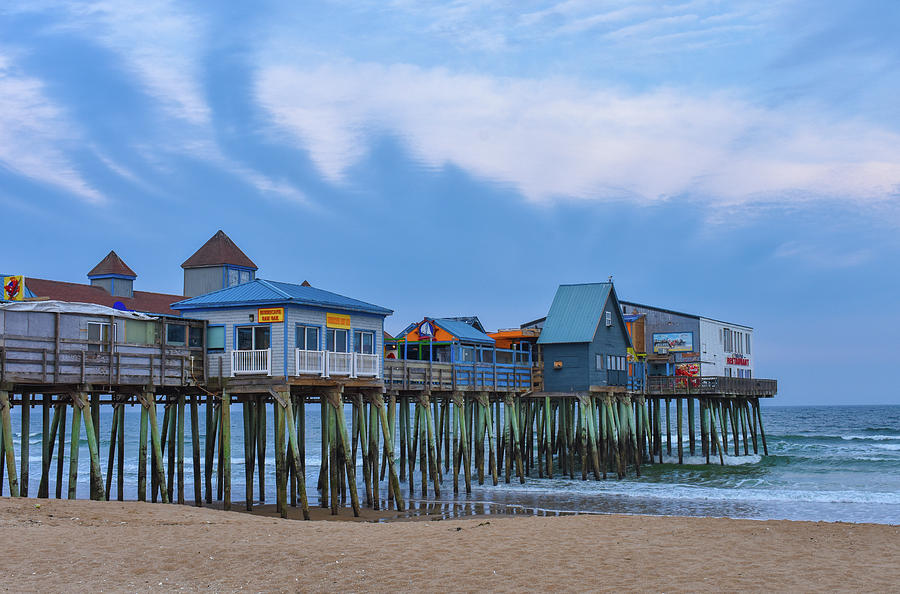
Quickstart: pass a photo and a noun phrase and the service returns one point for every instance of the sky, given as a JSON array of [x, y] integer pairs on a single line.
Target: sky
[[739, 160]]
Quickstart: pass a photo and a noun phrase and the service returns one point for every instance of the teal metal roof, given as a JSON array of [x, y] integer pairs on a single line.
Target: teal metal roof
[[263, 292], [575, 313]]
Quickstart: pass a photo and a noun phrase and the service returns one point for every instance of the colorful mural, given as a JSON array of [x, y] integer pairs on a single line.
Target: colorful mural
[[673, 342]]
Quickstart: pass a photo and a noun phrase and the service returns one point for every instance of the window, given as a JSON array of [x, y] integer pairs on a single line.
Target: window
[[599, 362], [307, 338], [467, 354], [98, 335], [215, 338], [195, 337], [609, 318], [237, 276], [728, 372], [252, 338], [613, 362], [728, 340], [176, 334], [364, 342], [747, 337], [337, 340], [140, 332]]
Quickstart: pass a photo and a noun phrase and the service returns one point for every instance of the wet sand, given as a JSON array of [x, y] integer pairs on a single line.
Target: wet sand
[[90, 546]]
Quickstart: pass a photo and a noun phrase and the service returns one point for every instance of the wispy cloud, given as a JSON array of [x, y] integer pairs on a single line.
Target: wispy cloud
[[822, 256], [35, 132], [552, 138], [160, 43]]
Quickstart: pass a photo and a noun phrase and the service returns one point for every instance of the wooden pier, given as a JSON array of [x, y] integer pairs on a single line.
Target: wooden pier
[[436, 427]]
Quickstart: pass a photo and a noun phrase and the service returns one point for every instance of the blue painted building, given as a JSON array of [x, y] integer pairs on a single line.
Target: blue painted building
[[268, 328], [584, 340]]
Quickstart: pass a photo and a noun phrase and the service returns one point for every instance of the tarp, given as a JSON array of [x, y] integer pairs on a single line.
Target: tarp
[[71, 307]]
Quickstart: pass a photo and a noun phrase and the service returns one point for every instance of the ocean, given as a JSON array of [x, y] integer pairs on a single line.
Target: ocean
[[825, 463]]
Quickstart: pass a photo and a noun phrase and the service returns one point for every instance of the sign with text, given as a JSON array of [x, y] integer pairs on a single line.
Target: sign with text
[[338, 321], [13, 288], [270, 314], [673, 342], [737, 361]]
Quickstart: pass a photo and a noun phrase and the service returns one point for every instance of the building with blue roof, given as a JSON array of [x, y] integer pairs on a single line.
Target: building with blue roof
[[271, 328], [584, 340]]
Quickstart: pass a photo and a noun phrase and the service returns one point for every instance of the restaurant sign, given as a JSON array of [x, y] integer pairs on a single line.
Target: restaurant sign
[[737, 361], [270, 314], [338, 321]]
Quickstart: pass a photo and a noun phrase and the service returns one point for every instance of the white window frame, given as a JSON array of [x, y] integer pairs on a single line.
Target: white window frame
[[357, 341], [331, 337], [300, 330], [253, 328], [103, 346]]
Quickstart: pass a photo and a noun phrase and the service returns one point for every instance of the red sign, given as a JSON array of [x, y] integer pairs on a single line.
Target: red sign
[[737, 361]]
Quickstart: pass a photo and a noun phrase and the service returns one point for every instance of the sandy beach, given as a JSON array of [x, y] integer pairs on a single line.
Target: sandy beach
[[90, 546]]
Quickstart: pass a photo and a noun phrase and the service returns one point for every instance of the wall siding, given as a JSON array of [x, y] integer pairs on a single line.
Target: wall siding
[[573, 377], [199, 281], [608, 340], [282, 344]]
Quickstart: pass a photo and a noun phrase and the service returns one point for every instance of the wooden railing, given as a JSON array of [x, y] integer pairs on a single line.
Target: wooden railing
[[257, 362], [738, 386], [309, 362], [339, 364], [403, 374], [70, 362], [365, 365]]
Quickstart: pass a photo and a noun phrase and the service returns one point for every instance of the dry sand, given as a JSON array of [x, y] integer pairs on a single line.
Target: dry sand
[[89, 546]]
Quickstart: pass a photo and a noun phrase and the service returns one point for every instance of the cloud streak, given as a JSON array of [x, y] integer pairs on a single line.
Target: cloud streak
[[34, 133], [557, 139]]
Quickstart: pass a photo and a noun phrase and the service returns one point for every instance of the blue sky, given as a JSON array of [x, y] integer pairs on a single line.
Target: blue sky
[[739, 160]]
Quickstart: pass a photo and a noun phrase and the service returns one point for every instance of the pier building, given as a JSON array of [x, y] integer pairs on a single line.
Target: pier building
[[447, 398]]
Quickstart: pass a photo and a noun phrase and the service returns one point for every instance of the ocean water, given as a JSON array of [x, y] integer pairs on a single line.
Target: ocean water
[[835, 463]]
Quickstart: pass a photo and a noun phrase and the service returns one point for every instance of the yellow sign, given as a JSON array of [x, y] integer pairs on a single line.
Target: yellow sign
[[14, 288], [270, 314], [340, 321]]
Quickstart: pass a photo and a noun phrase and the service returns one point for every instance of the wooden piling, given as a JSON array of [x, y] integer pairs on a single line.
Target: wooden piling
[[195, 449], [142, 452], [25, 445], [60, 452], [149, 400], [295, 450], [680, 436], [6, 421], [47, 462], [90, 435], [111, 457], [74, 447]]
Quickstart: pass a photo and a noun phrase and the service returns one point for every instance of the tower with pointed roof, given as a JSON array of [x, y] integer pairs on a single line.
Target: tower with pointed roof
[[218, 264], [113, 275]]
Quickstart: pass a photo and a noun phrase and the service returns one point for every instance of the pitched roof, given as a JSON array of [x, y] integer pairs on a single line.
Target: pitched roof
[[112, 264], [142, 301], [217, 251], [470, 320], [463, 330], [261, 291], [575, 313]]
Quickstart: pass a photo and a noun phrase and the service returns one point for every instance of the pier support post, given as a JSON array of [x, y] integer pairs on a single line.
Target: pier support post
[[226, 448], [335, 398], [678, 415], [249, 410], [25, 447], [148, 400], [142, 452], [6, 421], [295, 454], [459, 404], [47, 462], [433, 470], [195, 449], [393, 479], [97, 493], [74, 447]]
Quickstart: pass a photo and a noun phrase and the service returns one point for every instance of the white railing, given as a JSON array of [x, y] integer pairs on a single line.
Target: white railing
[[309, 362], [366, 365], [251, 362], [339, 364]]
